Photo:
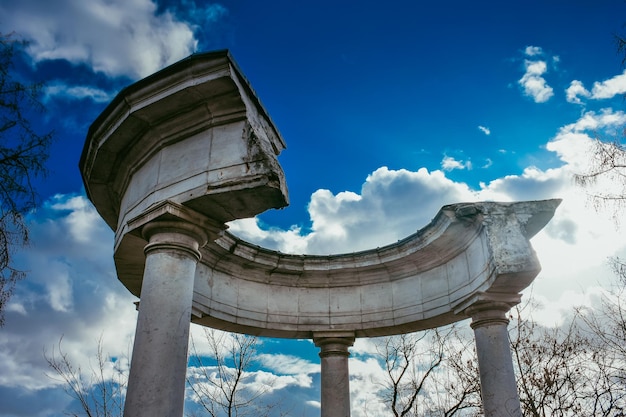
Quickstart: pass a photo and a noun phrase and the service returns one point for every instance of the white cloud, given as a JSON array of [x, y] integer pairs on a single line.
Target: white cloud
[[449, 163], [576, 90], [115, 37], [485, 130], [366, 388], [535, 86], [381, 214], [287, 364], [609, 88], [255, 382], [601, 90], [71, 291], [287, 241], [533, 50], [593, 122], [315, 404], [76, 93]]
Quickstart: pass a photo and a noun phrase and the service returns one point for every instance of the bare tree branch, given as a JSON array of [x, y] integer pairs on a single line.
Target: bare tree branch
[[23, 153], [222, 381], [99, 391]]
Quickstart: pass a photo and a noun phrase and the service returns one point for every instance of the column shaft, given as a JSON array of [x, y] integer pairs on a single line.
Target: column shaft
[[156, 385], [335, 383], [497, 378]]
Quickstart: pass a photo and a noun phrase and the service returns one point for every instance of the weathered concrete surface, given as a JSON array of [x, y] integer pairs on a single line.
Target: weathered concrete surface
[[414, 284]]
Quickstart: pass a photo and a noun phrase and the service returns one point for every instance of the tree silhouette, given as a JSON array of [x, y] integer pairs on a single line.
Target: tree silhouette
[[23, 153]]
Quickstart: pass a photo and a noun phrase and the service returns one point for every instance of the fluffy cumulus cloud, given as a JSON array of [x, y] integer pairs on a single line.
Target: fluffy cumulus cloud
[[601, 89], [116, 37], [288, 364], [575, 91], [383, 212], [609, 88], [71, 293], [533, 82], [253, 384]]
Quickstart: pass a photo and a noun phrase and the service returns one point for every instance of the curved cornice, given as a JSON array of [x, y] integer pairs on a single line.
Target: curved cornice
[[413, 284]]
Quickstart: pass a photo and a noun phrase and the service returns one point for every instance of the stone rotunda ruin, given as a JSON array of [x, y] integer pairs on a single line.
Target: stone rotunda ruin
[[180, 153]]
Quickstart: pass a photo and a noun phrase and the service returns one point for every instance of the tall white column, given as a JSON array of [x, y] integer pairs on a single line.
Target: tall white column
[[497, 378], [156, 386], [335, 384]]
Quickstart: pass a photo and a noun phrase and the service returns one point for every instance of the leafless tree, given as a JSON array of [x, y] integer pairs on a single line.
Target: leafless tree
[[578, 368], [430, 373], [608, 161], [607, 164], [619, 268], [405, 381], [572, 370], [549, 364], [222, 382], [605, 326], [460, 377], [100, 391], [23, 153]]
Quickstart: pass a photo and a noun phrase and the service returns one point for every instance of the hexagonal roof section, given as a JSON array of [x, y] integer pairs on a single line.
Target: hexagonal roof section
[[194, 133]]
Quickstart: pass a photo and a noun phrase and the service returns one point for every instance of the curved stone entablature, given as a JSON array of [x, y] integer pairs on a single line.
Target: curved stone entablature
[[417, 283], [193, 133]]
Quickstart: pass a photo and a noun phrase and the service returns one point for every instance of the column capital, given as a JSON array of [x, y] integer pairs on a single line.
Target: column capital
[[172, 226], [488, 308], [173, 212], [174, 235], [333, 343]]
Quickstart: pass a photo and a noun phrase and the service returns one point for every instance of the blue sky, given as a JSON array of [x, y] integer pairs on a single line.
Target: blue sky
[[389, 111]]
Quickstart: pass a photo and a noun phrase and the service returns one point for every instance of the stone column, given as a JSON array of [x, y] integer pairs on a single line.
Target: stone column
[[156, 386], [497, 378], [335, 384]]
